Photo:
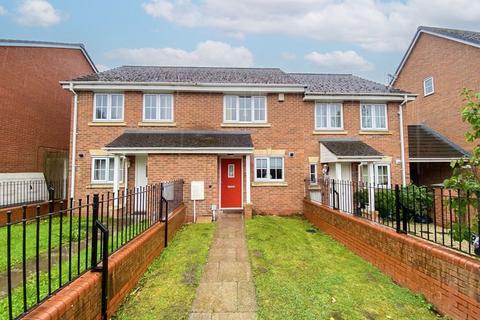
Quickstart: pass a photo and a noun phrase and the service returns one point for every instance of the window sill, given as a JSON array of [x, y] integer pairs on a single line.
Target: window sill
[[157, 124], [375, 132], [107, 124], [269, 184], [102, 186], [319, 132], [245, 125]]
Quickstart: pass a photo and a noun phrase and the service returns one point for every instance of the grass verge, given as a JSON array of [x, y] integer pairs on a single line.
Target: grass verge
[[167, 289], [302, 273]]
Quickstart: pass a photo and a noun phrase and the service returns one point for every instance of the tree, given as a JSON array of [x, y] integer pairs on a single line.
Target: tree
[[466, 172]]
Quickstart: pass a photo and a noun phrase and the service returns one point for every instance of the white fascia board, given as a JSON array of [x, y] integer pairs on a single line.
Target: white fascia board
[[195, 87], [155, 150], [359, 97], [420, 160]]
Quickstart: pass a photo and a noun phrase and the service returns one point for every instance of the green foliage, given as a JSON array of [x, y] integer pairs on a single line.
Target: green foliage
[[361, 197], [385, 203], [417, 200], [460, 231]]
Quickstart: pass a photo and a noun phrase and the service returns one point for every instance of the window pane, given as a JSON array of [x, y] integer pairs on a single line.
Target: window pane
[[380, 117], [99, 167], [261, 168], [245, 109], [321, 111], [428, 84], [150, 107], [276, 168], [230, 108], [117, 107], [366, 116], [382, 175], [335, 116], [110, 169], [101, 106], [259, 108], [165, 107], [313, 173]]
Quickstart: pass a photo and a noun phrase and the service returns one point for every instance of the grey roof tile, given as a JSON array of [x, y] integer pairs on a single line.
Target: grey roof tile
[[463, 35], [424, 142], [192, 75], [181, 139], [341, 84], [349, 147]]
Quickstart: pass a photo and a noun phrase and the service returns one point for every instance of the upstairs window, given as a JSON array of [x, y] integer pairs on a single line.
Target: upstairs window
[[428, 87], [328, 116], [158, 107], [108, 107], [245, 109], [269, 169], [374, 116]]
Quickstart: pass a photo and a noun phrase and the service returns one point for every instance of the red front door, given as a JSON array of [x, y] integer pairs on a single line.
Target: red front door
[[231, 190]]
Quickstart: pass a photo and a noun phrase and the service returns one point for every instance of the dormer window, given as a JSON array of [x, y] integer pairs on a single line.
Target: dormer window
[[428, 87]]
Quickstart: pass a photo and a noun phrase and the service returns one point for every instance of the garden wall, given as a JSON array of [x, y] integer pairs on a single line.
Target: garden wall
[[81, 300], [448, 280], [17, 212]]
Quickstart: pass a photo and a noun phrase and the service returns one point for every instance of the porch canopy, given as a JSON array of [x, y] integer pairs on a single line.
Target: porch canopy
[[334, 150], [173, 141]]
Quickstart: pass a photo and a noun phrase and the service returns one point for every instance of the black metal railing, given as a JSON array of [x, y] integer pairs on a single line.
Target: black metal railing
[[17, 193], [447, 217], [41, 255]]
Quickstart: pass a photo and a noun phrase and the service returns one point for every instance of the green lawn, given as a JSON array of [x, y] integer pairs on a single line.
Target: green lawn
[[31, 235], [167, 289], [302, 273]]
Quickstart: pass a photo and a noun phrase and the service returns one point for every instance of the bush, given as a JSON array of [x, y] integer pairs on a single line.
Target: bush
[[385, 203], [418, 201], [460, 231]]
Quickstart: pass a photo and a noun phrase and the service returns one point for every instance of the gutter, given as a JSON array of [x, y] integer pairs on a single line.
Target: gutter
[[74, 140], [402, 139]]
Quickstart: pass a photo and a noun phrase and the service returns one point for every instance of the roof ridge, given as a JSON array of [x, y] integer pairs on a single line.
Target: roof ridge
[[200, 67], [319, 73], [445, 29], [19, 41]]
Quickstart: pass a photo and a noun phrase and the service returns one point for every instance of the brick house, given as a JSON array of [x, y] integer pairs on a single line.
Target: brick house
[[251, 136], [438, 64], [35, 114]]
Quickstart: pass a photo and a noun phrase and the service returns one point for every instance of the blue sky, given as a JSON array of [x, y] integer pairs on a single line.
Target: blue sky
[[363, 37]]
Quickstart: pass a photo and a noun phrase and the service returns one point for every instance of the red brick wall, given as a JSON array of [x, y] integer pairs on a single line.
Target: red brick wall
[[31, 211], [35, 110], [81, 300], [291, 129], [448, 280], [454, 66]]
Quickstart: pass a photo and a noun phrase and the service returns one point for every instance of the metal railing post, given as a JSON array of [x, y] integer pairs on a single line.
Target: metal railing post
[[94, 230], [9, 264], [166, 223], [333, 194], [51, 198], [397, 209]]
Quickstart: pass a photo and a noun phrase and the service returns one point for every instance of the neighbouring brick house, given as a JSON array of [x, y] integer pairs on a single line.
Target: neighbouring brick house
[[250, 135], [438, 65], [35, 113]]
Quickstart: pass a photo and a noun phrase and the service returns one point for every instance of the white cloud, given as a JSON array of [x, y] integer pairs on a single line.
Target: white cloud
[[38, 13], [339, 61], [373, 25], [208, 53], [3, 11]]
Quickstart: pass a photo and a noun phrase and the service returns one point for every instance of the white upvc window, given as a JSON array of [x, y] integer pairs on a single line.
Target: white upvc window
[[328, 116], [382, 174], [103, 168], [373, 116], [108, 107], [245, 109], [313, 173], [158, 107], [269, 169], [428, 86]]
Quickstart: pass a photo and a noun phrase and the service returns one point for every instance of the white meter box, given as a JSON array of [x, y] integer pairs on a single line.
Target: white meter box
[[197, 190]]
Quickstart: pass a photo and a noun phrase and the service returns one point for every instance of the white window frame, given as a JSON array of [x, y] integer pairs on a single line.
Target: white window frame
[[107, 169], [425, 93], [313, 174], [328, 127], [237, 109], [109, 107], [374, 118], [268, 179], [376, 166], [157, 107]]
